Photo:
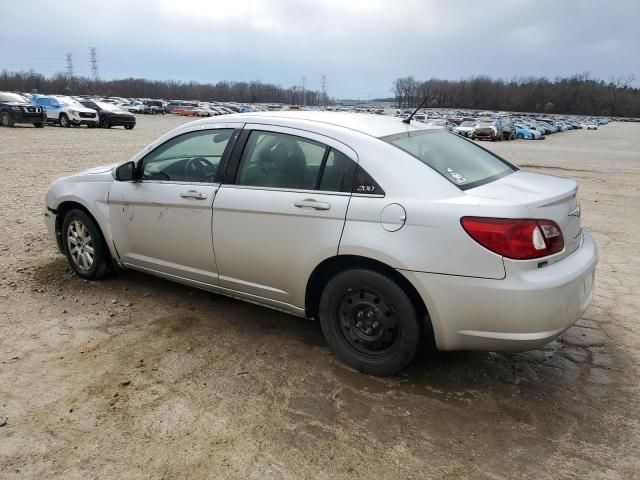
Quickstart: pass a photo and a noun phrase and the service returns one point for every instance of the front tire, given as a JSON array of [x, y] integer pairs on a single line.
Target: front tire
[[6, 120], [39, 124], [84, 246], [369, 322], [129, 127], [64, 121]]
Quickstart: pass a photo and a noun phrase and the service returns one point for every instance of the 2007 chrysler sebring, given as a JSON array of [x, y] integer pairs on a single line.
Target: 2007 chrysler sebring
[[391, 234]]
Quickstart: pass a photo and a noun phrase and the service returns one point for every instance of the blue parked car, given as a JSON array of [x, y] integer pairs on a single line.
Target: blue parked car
[[526, 133]]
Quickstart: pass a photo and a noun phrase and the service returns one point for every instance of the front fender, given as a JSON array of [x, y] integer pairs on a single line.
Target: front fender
[[93, 196]]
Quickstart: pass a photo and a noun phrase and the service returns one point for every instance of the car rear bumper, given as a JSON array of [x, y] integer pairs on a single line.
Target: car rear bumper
[[524, 311]]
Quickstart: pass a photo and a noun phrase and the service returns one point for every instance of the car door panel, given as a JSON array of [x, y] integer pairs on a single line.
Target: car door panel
[[267, 239], [162, 221], [265, 243], [162, 226]]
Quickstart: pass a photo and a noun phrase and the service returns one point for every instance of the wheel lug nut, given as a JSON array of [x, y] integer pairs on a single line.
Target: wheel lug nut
[[370, 314], [360, 314], [359, 324], [375, 325]]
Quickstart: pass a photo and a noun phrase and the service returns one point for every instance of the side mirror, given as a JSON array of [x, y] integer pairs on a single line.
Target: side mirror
[[125, 172]]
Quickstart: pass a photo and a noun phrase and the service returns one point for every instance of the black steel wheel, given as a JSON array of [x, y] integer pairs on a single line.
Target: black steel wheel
[[369, 322]]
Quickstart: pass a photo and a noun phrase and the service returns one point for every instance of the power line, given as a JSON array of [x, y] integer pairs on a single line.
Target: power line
[[69, 65], [94, 62]]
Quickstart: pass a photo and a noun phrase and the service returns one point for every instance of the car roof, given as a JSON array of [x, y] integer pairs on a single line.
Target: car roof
[[374, 125]]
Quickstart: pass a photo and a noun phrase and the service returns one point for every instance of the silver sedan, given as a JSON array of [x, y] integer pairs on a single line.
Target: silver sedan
[[392, 235]]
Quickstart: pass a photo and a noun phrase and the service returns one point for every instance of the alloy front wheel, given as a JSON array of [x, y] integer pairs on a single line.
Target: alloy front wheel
[[80, 245], [84, 246]]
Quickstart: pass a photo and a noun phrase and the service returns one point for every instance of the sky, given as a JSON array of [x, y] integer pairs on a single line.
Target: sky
[[360, 45]]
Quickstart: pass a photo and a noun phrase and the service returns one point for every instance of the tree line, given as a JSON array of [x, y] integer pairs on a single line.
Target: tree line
[[577, 94], [223, 91]]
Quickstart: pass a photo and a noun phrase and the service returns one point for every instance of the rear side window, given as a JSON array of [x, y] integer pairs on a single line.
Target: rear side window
[[337, 175], [278, 160], [460, 161]]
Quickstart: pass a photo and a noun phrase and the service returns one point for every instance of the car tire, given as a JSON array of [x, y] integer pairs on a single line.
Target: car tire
[[84, 246], [369, 322], [129, 127], [64, 121], [6, 120], [512, 136], [39, 124]]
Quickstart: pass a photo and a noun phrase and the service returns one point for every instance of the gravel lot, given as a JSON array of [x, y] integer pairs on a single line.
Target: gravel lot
[[139, 378]]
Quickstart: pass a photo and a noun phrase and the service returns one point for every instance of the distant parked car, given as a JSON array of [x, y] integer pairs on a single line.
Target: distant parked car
[[15, 108], [488, 129], [66, 111], [466, 128], [526, 133], [110, 115], [508, 132], [152, 107]]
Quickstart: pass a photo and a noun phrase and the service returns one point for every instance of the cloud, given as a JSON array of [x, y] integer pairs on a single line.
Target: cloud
[[361, 45]]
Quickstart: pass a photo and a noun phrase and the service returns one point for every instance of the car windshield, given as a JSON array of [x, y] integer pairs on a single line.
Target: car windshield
[[12, 97], [69, 102], [108, 107], [468, 123], [460, 161]]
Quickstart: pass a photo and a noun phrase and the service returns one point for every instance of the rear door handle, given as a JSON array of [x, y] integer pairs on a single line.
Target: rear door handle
[[194, 194], [311, 203]]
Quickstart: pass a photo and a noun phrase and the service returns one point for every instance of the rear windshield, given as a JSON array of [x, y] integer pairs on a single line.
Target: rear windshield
[[460, 161]]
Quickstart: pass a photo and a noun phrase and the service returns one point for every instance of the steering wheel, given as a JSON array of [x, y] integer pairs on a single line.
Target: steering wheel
[[198, 169]]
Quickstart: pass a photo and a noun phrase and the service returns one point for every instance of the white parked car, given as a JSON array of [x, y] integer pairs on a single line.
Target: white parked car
[[392, 235], [66, 111], [466, 128]]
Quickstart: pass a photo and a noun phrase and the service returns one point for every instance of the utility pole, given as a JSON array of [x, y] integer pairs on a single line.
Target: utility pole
[[94, 62], [69, 65], [324, 90], [304, 90]]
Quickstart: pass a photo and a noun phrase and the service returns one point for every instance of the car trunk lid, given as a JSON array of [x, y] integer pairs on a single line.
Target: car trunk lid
[[547, 197]]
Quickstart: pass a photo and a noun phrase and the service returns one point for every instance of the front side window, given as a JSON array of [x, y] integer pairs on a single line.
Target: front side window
[[279, 160], [461, 162], [192, 157]]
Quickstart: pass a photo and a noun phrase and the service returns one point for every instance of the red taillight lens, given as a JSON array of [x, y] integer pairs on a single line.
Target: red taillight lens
[[520, 239]]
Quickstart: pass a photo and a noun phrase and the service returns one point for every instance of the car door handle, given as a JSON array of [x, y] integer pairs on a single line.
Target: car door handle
[[311, 203], [194, 194]]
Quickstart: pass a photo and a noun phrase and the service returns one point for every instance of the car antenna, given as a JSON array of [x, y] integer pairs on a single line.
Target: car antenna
[[408, 119]]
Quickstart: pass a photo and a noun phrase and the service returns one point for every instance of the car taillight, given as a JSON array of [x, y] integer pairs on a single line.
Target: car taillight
[[520, 239]]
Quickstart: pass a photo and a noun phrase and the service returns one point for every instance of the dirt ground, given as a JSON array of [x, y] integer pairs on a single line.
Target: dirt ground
[[139, 378]]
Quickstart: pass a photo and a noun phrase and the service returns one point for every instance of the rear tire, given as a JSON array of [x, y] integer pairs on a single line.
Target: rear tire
[[6, 120], [129, 127], [369, 322], [84, 246], [64, 121], [39, 124]]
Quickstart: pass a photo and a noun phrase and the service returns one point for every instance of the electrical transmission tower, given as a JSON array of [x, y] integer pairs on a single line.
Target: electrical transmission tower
[[69, 65], [304, 90], [93, 59], [324, 90]]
